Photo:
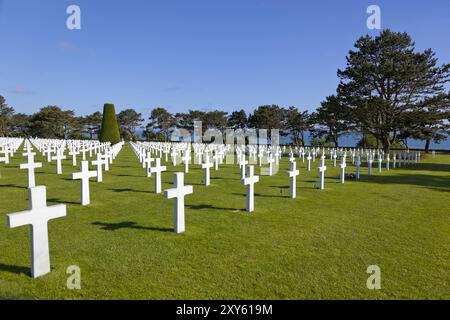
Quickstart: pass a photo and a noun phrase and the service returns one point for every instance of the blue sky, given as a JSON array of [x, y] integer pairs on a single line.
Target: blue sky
[[182, 54]]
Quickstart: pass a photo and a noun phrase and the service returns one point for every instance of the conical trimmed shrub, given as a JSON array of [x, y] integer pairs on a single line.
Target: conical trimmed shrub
[[110, 127]]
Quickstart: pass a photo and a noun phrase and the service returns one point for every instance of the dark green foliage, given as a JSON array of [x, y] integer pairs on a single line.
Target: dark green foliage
[[6, 115], [237, 120], [386, 80], [160, 124], [110, 126], [129, 120]]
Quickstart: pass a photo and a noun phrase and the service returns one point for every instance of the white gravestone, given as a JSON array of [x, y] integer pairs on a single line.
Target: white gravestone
[[179, 192], [293, 175], [158, 169], [30, 166], [342, 167], [309, 158], [38, 216], [322, 168], [99, 164], [84, 176], [250, 181], [59, 157], [358, 166], [207, 166]]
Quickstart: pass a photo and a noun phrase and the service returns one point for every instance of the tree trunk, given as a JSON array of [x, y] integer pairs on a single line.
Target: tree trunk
[[386, 144], [427, 146]]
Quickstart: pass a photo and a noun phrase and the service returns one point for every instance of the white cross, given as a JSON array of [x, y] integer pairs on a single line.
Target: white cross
[[48, 152], [84, 176], [293, 175], [322, 170], [59, 157], [186, 159], [99, 163], [158, 169], [380, 160], [358, 165], [38, 216], [369, 165], [207, 166], [174, 155], [179, 192], [342, 166], [250, 181], [309, 158], [270, 161], [148, 163], [74, 154], [30, 166], [243, 163], [216, 158]]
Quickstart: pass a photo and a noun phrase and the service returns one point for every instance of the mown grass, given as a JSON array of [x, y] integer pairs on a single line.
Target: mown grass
[[317, 246]]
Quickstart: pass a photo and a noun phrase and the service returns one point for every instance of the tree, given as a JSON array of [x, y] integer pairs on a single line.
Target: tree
[[129, 120], [214, 120], [267, 117], [51, 122], [433, 124], [237, 120], [297, 123], [93, 124], [385, 79], [331, 120], [6, 114], [20, 125], [161, 121], [110, 128]]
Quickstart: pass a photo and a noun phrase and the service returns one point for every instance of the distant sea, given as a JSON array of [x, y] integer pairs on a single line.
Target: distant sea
[[350, 140]]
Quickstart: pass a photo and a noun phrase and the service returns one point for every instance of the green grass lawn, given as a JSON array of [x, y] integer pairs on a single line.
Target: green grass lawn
[[317, 246]]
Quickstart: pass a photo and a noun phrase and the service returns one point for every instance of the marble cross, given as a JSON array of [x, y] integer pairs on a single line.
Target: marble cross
[[243, 163], [99, 163], [250, 181], [358, 166], [59, 157], [30, 166], [38, 216], [158, 169], [84, 176], [293, 175], [342, 167], [186, 159], [309, 158], [178, 192], [207, 166], [322, 168]]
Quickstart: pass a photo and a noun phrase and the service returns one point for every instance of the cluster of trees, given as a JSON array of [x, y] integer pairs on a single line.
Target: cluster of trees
[[54, 123], [388, 93]]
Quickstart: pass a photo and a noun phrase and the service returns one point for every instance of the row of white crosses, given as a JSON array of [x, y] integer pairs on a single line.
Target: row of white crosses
[[38, 214], [271, 155]]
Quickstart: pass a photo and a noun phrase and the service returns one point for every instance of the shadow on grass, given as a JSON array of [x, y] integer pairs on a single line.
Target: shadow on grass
[[128, 190], [12, 186], [262, 195], [15, 269], [127, 225], [209, 206], [56, 200], [440, 183], [129, 175]]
